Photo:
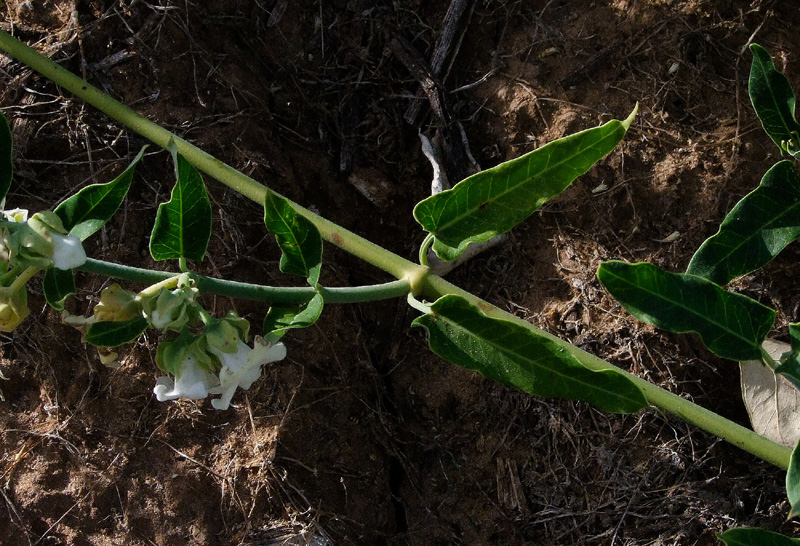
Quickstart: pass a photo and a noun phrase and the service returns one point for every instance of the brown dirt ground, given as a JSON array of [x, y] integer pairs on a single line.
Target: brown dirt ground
[[362, 436]]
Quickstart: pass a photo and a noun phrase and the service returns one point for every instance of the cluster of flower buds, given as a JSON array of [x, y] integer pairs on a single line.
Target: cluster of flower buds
[[209, 356], [28, 246]]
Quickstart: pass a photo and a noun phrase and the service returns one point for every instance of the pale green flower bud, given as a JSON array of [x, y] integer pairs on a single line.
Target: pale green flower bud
[[170, 310], [225, 334], [39, 242], [13, 308], [117, 305]]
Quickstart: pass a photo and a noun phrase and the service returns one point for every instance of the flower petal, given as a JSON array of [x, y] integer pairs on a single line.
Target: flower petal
[[68, 252]]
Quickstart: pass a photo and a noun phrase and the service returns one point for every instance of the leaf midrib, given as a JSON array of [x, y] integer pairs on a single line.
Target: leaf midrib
[[550, 167], [505, 349], [681, 306]]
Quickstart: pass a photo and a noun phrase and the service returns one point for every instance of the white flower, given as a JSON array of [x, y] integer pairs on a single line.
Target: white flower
[[191, 382], [16, 215], [68, 252], [242, 368]]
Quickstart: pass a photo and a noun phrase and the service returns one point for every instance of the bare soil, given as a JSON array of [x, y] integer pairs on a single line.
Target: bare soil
[[362, 436]]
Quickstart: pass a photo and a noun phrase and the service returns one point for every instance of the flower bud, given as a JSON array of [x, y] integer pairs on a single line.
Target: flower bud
[[13, 308], [225, 334], [169, 310], [117, 305]]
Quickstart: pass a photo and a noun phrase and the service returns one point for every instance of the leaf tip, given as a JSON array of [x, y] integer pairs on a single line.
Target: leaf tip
[[629, 120]]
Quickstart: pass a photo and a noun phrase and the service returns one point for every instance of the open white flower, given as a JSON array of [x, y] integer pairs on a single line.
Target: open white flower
[[191, 382], [242, 368], [68, 252]]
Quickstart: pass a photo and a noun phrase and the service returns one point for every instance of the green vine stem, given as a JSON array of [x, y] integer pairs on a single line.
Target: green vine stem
[[422, 282], [235, 289]]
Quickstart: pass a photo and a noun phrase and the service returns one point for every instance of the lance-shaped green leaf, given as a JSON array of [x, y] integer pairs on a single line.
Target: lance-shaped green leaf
[[773, 100], [280, 319], [493, 201], [514, 355], [89, 209], [183, 224], [58, 285], [793, 482], [755, 231], [789, 363], [113, 334], [6, 158], [298, 238], [731, 325], [750, 536]]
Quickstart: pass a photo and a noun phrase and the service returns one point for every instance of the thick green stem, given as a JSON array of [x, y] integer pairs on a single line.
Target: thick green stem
[[421, 281], [234, 289]]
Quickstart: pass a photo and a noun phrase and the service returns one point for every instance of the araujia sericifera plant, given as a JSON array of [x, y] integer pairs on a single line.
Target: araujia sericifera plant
[[206, 355]]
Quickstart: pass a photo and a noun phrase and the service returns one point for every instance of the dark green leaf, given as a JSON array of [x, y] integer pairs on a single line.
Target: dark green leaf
[[789, 365], [58, 285], [299, 239], [773, 100], [183, 224], [112, 334], [755, 537], [89, 209], [730, 325], [514, 355], [280, 319], [755, 231], [493, 201], [793, 482], [6, 157]]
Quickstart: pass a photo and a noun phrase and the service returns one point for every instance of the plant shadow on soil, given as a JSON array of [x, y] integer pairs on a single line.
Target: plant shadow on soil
[[362, 436]]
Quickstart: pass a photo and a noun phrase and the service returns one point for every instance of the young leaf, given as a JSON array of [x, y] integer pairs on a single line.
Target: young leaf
[[493, 201], [793, 482], [280, 319], [58, 285], [513, 355], [755, 231], [731, 325], [750, 536], [183, 224], [299, 239], [772, 402], [89, 209], [6, 158], [773, 100], [113, 334]]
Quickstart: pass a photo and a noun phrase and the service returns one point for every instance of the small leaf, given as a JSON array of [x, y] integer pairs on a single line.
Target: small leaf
[[299, 239], [493, 201], [113, 334], [773, 100], [6, 158], [789, 365], [88, 210], [731, 325], [58, 285], [749, 536], [280, 319], [772, 402], [755, 231], [514, 355], [183, 224], [793, 482]]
